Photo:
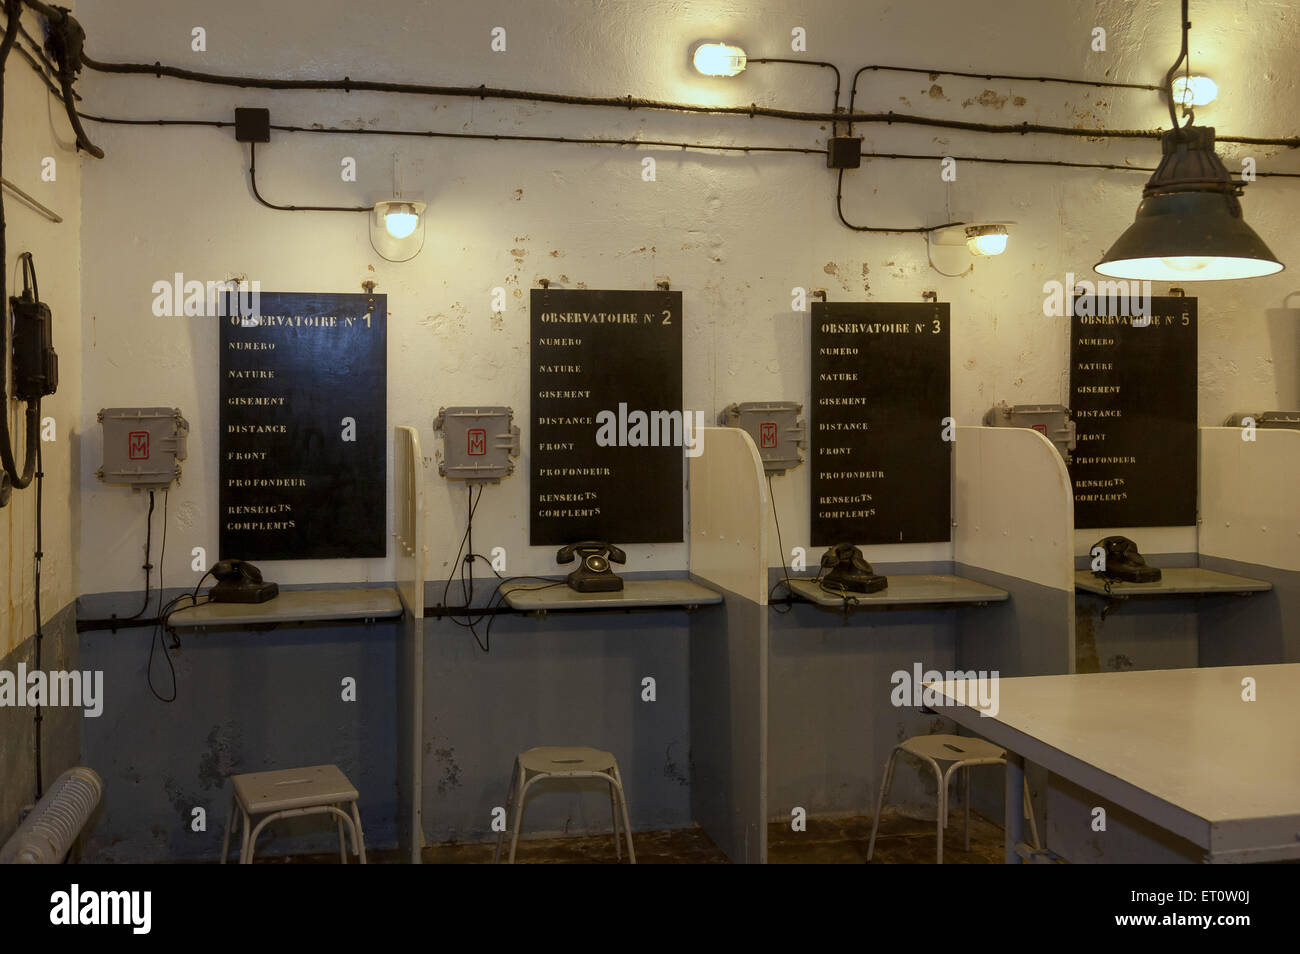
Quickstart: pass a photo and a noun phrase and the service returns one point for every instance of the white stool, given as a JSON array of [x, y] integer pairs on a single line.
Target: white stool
[[317, 790], [564, 762], [963, 752]]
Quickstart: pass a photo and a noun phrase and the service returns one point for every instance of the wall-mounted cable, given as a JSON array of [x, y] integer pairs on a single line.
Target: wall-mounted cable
[[347, 84], [684, 146], [252, 178], [65, 42]]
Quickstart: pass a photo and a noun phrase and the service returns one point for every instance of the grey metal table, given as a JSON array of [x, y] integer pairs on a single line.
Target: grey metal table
[[1179, 747], [903, 590], [290, 606], [541, 598], [1174, 581]]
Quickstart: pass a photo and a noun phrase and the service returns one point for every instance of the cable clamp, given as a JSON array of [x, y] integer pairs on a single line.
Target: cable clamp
[[157, 69]]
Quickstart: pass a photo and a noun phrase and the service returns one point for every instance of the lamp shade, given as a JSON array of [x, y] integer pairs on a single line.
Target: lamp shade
[[1189, 226]]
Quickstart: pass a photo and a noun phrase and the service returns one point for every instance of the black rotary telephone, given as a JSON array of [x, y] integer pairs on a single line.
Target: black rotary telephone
[[849, 570], [1124, 562], [240, 582], [593, 574]]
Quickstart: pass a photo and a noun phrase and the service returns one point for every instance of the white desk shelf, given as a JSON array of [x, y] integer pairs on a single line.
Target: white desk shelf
[[294, 606], [636, 594], [1178, 581], [905, 590]]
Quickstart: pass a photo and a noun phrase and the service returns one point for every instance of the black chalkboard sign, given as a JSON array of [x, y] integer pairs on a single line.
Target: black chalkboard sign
[[303, 428], [608, 431], [1133, 394], [881, 466]]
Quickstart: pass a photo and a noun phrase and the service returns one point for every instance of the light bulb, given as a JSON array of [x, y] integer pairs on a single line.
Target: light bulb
[[1195, 90], [400, 221], [986, 239], [1186, 263], [719, 59]]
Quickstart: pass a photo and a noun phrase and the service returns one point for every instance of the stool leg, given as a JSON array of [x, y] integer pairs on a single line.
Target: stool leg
[[613, 811], [885, 780], [230, 821], [246, 848], [1033, 822], [519, 811], [358, 837], [966, 772], [627, 824], [510, 798], [942, 818], [343, 845]]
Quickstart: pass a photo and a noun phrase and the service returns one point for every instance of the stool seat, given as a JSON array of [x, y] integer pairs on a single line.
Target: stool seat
[[952, 748], [261, 792], [287, 793], [566, 761]]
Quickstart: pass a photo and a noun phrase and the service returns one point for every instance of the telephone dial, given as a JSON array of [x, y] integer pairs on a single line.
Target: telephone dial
[[1124, 562], [238, 581], [593, 574], [847, 569]]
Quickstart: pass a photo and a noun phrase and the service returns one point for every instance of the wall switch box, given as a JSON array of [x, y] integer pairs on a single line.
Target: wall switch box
[[776, 429], [143, 446], [478, 443], [843, 152], [1053, 421], [252, 125]]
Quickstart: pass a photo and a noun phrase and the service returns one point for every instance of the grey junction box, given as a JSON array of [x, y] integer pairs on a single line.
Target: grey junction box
[[143, 446], [1053, 421], [776, 429], [477, 443]]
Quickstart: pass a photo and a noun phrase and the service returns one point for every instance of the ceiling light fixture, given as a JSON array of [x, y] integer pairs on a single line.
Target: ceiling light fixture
[[1195, 91], [1189, 225], [719, 59]]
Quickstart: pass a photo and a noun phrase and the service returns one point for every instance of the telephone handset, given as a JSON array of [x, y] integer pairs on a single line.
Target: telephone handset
[[238, 581], [1122, 561], [593, 574], [849, 570]]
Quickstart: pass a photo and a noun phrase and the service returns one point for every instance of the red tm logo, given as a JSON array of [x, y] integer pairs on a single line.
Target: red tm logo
[[767, 435], [477, 442], [1040, 428], [137, 445]]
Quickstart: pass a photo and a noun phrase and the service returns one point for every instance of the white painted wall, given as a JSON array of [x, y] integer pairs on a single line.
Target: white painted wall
[[735, 233], [36, 128]]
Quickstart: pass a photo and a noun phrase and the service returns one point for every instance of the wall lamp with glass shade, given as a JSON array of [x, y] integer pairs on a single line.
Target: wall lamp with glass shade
[[397, 224], [397, 228], [981, 239], [1189, 226], [719, 59]]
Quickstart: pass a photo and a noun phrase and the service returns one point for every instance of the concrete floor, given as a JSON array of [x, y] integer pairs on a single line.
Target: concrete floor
[[903, 839]]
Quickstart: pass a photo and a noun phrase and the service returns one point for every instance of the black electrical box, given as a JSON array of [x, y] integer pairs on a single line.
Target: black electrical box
[[843, 152], [35, 365], [253, 125]]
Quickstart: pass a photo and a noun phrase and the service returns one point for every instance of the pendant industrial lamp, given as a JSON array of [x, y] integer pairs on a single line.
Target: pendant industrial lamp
[[1189, 225]]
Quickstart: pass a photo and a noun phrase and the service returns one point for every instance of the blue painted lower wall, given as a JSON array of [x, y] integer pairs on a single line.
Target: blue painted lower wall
[[246, 702]]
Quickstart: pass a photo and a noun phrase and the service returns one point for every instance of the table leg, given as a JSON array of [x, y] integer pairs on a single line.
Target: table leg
[[1014, 812]]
